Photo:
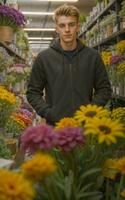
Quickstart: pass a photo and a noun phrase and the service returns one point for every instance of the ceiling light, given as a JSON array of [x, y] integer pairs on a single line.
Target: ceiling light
[[40, 38], [36, 1], [39, 42], [60, 0], [39, 29], [38, 47], [37, 13]]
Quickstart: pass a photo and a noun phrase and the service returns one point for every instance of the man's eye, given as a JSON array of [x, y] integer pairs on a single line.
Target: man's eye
[[61, 25], [72, 24]]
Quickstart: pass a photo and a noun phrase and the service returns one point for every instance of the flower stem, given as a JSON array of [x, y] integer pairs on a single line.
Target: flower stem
[[107, 190], [119, 188]]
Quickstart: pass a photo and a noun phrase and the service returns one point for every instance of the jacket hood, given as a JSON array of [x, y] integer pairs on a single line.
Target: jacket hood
[[56, 46]]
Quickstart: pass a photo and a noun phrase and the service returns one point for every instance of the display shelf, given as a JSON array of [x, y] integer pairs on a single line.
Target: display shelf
[[118, 101], [11, 51], [112, 38], [119, 34], [101, 14]]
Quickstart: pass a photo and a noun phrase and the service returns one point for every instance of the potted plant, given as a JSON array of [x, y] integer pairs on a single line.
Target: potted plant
[[122, 16], [7, 105], [5, 59], [10, 21]]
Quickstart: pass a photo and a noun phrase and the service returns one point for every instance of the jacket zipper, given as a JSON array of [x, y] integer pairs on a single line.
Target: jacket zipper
[[71, 79]]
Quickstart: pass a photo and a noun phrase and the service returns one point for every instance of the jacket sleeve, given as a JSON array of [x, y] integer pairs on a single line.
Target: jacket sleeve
[[102, 87], [35, 88]]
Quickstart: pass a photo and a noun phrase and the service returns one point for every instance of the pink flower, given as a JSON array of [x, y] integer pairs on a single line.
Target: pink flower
[[69, 138], [116, 59], [36, 138], [18, 70]]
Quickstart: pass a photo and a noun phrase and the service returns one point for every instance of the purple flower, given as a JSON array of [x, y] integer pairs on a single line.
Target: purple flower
[[69, 138], [26, 112], [116, 59], [11, 17], [40, 137]]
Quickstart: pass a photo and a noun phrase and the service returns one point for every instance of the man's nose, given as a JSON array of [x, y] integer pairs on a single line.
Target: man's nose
[[66, 28]]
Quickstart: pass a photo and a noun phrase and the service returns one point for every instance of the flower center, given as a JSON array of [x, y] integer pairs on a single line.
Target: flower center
[[11, 187], [105, 129], [91, 114]]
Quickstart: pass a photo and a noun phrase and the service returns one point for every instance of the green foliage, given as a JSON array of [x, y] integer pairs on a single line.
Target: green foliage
[[4, 151], [82, 18]]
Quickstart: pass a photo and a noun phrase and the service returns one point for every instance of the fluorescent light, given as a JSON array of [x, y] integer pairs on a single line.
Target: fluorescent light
[[40, 38], [39, 42], [39, 29], [36, 1], [37, 13], [60, 0], [39, 47]]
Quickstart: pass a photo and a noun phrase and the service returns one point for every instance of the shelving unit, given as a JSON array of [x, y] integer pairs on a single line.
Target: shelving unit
[[111, 39], [114, 5], [11, 51], [100, 15]]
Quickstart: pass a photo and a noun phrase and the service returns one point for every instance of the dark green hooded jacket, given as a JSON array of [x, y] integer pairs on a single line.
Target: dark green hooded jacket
[[68, 81]]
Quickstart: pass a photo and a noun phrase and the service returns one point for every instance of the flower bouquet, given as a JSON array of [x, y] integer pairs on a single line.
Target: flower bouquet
[[18, 122], [80, 158], [14, 126], [7, 105]]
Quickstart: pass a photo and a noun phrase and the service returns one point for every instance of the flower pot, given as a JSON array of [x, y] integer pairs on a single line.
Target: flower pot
[[122, 23], [12, 145], [6, 34], [109, 30], [17, 87]]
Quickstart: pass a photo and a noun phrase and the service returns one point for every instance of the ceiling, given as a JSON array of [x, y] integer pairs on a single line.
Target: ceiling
[[46, 21]]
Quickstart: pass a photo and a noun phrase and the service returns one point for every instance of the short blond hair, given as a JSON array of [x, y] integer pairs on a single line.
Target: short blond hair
[[66, 10]]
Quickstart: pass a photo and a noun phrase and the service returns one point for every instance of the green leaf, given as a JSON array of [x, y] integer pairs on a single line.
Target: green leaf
[[68, 183], [90, 172], [86, 187], [94, 195], [100, 181]]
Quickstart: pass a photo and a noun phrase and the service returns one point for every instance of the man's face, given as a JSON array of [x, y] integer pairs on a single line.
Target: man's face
[[67, 27]]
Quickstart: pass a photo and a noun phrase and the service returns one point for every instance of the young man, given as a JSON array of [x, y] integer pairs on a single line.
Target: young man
[[71, 73]]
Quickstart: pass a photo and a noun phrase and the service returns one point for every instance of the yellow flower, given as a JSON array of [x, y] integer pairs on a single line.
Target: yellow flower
[[121, 165], [18, 121], [7, 96], [110, 169], [121, 69], [14, 187], [66, 122], [123, 193], [39, 167], [119, 114], [90, 111], [105, 129], [106, 56], [120, 47]]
